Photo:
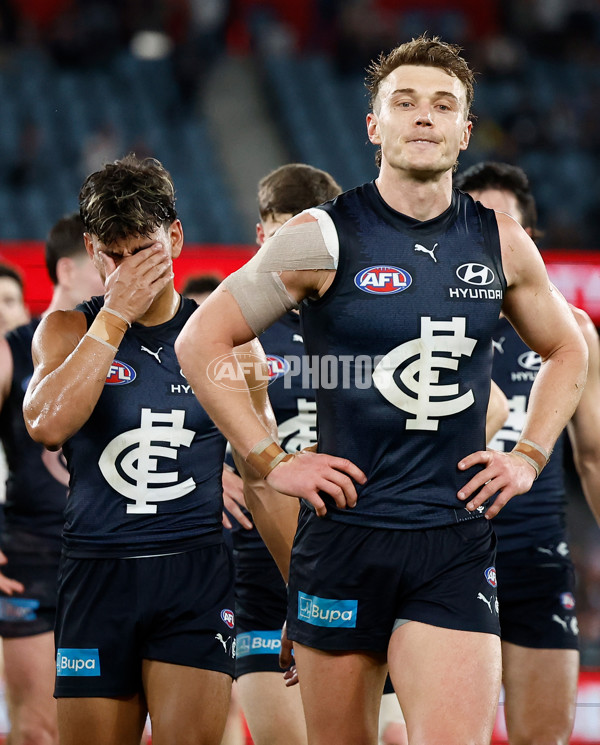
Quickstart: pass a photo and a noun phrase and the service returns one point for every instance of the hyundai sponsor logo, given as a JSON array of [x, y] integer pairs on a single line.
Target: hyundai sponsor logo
[[530, 360], [475, 274]]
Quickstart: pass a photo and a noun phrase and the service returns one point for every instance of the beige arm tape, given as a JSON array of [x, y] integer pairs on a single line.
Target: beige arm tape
[[265, 455], [534, 454], [257, 286], [108, 328]]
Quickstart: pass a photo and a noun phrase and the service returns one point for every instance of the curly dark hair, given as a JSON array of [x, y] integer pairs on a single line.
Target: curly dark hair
[[130, 197], [426, 52], [504, 177]]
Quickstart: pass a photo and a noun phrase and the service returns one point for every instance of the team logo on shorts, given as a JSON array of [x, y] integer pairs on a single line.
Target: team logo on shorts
[[278, 367], [228, 617], [383, 280], [80, 662], [120, 373], [258, 642], [567, 600], [490, 575], [326, 611]]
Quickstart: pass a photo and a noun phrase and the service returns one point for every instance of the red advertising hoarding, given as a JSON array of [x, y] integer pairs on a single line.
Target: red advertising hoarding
[[576, 274]]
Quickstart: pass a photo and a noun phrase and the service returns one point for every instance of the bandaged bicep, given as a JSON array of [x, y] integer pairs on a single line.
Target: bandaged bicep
[[257, 287]]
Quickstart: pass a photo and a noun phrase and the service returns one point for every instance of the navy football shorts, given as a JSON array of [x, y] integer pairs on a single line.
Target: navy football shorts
[[114, 613], [537, 602], [350, 584], [32, 560], [260, 609]]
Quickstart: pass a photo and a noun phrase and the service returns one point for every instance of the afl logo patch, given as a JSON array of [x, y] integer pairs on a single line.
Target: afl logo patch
[[383, 280], [475, 274], [120, 373], [278, 367], [567, 600], [490, 575], [227, 617]]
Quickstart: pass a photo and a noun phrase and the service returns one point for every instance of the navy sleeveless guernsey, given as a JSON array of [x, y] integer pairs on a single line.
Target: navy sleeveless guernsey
[[292, 400], [146, 467], [404, 338], [35, 499], [537, 517]]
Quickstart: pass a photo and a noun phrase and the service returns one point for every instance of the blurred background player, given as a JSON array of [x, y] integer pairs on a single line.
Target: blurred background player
[[13, 311], [274, 711], [199, 286], [35, 498], [536, 581]]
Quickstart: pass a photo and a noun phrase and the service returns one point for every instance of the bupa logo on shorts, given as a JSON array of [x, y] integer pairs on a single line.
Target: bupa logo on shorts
[[278, 367], [258, 642], [120, 373], [383, 280], [567, 600], [18, 609], [326, 611], [80, 662], [490, 575], [228, 618], [475, 274], [530, 360]]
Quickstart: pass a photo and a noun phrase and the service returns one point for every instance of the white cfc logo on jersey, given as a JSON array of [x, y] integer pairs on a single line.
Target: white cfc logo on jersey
[[135, 454], [506, 438], [300, 431], [419, 362]]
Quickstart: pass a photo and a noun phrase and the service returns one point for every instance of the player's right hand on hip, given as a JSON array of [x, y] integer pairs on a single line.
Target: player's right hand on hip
[[307, 474]]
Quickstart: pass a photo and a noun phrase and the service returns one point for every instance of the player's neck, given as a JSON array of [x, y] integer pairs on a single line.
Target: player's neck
[[420, 199], [62, 299]]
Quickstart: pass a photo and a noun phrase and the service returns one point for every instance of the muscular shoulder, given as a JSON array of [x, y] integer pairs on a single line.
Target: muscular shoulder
[[59, 331], [521, 259], [586, 325]]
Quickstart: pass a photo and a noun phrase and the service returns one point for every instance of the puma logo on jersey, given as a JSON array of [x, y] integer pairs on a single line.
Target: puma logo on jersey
[[153, 354], [561, 621], [481, 596], [297, 337], [423, 249], [498, 345]]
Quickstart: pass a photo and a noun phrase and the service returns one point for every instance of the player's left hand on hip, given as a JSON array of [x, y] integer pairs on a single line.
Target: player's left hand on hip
[[503, 474], [233, 499]]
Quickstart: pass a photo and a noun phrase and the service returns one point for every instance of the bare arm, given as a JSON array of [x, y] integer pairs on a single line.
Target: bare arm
[[206, 343], [70, 367], [275, 515], [544, 321], [497, 412], [584, 427], [69, 374]]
